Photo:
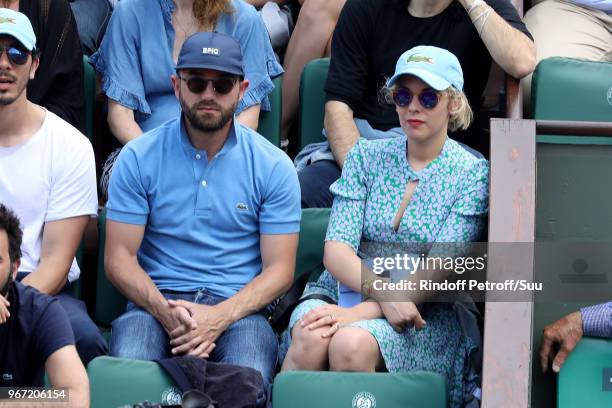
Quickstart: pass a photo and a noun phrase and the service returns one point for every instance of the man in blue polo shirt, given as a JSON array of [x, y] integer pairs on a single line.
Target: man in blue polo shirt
[[203, 221]]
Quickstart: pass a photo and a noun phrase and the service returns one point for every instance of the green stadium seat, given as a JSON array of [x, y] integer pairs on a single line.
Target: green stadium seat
[[571, 89], [571, 207], [312, 238], [307, 389], [90, 96], [270, 122], [312, 101], [582, 378], [116, 382], [109, 302]]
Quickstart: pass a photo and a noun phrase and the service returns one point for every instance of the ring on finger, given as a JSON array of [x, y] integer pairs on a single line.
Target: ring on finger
[[331, 317]]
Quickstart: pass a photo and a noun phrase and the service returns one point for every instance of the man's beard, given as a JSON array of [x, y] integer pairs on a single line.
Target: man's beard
[[204, 122], [5, 288], [7, 100]]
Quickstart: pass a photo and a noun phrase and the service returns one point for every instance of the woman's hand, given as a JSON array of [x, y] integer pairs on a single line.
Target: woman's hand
[[402, 315], [329, 315]]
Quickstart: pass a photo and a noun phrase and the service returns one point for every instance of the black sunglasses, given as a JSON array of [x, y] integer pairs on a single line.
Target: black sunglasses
[[428, 98], [16, 55], [221, 85]]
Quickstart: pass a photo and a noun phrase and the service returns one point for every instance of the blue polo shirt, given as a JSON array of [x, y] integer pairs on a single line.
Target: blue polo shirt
[[203, 219]]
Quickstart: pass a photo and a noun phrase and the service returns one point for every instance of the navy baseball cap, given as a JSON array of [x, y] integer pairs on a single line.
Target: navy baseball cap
[[211, 51]]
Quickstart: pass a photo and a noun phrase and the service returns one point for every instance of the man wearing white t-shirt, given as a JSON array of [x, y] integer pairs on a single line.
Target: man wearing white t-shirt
[[47, 177]]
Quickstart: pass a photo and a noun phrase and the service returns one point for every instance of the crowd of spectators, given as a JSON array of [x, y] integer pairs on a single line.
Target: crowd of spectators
[[203, 213]]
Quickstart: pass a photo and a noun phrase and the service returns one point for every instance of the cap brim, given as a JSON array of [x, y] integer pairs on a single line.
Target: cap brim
[[433, 80], [30, 47], [214, 67]]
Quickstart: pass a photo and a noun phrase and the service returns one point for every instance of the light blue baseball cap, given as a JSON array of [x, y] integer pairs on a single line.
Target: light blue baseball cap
[[435, 66], [17, 25]]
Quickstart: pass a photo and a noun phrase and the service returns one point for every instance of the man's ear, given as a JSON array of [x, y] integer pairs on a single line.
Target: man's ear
[[34, 66], [244, 85], [15, 267], [176, 85]]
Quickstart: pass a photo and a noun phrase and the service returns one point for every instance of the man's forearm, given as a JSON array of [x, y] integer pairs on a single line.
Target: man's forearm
[[511, 49], [342, 132], [48, 278], [257, 294], [134, 283]]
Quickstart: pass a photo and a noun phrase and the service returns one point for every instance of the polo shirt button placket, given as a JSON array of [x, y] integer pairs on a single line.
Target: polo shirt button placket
[[204, 184], [198, 157]]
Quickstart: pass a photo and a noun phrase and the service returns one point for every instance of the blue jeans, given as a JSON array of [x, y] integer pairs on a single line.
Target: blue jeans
[[249, 342]]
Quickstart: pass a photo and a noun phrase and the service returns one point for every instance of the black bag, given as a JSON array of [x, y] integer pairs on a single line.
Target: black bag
[[230, 386], [191, 399], [279, 319]]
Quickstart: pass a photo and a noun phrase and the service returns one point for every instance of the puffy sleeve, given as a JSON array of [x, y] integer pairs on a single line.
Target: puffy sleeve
[[350, 191], [118, 61], [467, 217], [259, 60]]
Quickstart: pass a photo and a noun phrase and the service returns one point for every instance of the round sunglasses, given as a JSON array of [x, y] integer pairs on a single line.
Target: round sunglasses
[[428, 98], [16, 55], [221, 85]]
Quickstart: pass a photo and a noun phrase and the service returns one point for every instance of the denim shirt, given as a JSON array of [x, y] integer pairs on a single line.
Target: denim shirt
[[135, 58]]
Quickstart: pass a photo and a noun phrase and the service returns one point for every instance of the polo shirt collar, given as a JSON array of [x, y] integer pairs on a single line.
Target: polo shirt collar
[[190, 150]]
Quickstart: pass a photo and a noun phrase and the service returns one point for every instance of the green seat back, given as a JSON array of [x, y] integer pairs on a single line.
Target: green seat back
[[116, 382], [312, 236], [109, 302], [270, 122], [307, 389], [90, 96], [581, 379], [571, 89], [312, 101], [571, 206]]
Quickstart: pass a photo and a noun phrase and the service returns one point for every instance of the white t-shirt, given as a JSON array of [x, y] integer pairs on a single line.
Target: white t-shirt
[[50, 177]]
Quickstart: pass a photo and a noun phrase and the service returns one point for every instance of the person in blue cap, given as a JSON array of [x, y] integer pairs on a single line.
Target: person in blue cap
[[202, 223], [419, 188], [48, 177]]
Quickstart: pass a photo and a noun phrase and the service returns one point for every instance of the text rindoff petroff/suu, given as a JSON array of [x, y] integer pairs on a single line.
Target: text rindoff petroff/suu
[[509, 285]]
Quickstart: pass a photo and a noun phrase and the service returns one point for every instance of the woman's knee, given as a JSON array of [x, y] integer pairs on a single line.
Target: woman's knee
[[307, 344], [353, 349]]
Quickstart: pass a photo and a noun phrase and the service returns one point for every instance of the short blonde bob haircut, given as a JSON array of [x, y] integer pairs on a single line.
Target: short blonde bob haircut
[[460, 117]]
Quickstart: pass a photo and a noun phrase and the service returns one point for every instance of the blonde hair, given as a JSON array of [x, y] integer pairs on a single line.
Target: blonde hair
[[207, 12], [460, 117]]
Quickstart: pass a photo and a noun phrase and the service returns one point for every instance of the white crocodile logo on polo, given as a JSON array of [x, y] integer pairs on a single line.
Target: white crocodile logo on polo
[[364, 400], [171, 396]]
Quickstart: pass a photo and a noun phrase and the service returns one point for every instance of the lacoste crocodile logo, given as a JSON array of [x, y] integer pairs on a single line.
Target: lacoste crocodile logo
[[420, 58], [5, 20]]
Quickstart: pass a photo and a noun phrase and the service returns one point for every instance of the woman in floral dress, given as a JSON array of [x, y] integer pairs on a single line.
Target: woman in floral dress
[[423, 188]]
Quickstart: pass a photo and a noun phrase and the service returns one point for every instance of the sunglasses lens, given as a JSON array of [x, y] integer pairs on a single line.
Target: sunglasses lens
[[220, 85], [196, 84], [17, 56], [429, 99], [223, 85], [402, 97]]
